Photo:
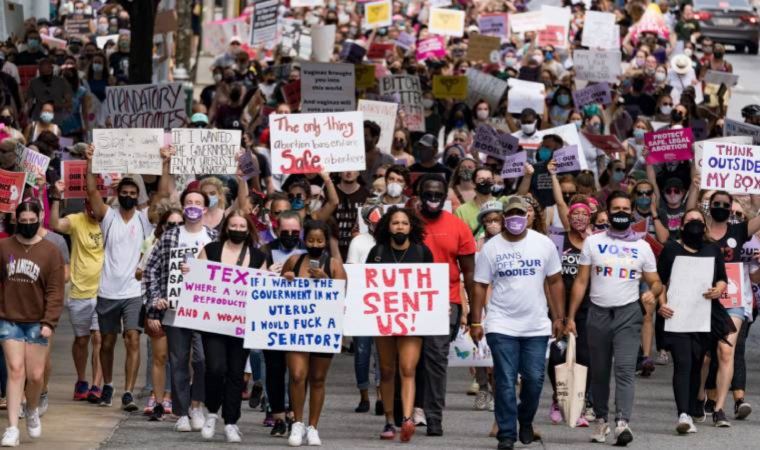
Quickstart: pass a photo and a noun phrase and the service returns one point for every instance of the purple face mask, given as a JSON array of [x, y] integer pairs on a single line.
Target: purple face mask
[[193, 213], [515, 225]]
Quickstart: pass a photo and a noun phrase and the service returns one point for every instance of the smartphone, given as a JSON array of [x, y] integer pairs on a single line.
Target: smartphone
[[313, 264]]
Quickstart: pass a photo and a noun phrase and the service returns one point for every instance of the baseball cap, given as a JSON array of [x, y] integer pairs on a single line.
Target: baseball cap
[[515, 202], [428, 140], [489, 207]]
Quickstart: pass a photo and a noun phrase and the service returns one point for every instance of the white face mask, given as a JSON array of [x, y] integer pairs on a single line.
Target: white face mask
[[659, 77], [315, 204], [529, 128], [688, 52], [394, 189], [666, 109], [482, 114], [427, 103]]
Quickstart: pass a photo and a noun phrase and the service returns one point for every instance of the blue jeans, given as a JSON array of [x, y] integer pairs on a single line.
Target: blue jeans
[[512, 356], [362, 354]]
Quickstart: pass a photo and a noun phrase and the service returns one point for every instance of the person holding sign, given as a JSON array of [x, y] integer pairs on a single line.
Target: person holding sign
[[399, 236], [689, 347], [311, 366]]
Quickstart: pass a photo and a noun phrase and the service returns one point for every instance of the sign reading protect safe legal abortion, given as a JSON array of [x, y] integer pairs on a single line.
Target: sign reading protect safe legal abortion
[[397, 300], [731, 167], [669, 145], [302, 315], [314, 143]]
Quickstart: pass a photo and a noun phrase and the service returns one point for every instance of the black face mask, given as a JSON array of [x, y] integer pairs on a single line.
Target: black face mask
[[289, 240], [567, 198], [720, 214], [6, 120], [315, 252], [127, 202], [676, 116], [432, 211], [237, 236], [399, 238], [483, 188], [452, 161], [620, 221], [27, 230], [693, 234]]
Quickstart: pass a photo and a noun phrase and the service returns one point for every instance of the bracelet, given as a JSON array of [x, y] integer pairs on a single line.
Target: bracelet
[[476, 325]]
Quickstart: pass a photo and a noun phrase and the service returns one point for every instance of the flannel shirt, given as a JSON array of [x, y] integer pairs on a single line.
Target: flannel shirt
[[156, 274]]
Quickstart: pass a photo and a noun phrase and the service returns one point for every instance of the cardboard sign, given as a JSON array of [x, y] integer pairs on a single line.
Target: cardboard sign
[[295, 38], [731, 167], [314, 143], [11, 190], [248, 165], [669, 145], [698, 146], [327, 87], [101, 41], [734, 128], [718, 77], [597, 65], [527, 21], [689, 279], [446, 86], [483, 48], [446, 22], [74, 176], [594, 93], [570, 136], [409, 91], [526, 94], [377, 15], [383, 114], [129, 150], [302, 315], [264, 23], [217, 34], [174, 283], [208, 151], [598, 30], [567, 159], [514, 165], [159, 105], [483, 86], [732, 297], [608, 143], [166, 22], [493, 142], [494, 25], [32, 163], [322, 43], [397, 300], [432, 47], [365, 76]]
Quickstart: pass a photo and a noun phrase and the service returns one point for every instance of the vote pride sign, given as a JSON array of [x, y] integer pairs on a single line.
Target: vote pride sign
[[731, 167], [397, 300]]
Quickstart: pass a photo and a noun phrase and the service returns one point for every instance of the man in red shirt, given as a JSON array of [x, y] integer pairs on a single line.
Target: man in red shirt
[[451, 242]]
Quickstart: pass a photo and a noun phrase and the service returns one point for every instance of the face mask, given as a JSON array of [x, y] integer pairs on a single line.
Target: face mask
[[482, 114], [217, 77], [579, 223], [676, 116], [399, 143], [452, 161], [639, 62], [466, 174], [315, 204], [528, 128], [193, 213], [643, 202], [237, 236], [601, 226], [718, 55], [27, 230], [297, 203], [638, 134], [578, 124], [620, 221], [497, 190], [659, 77], [538, 59], [97, 68], [432, 204], [617, 177], [666, 109], [510, 62], [427, 103], [595, 128], [549, 56], [493, 228], [399, 238], [46, 117], [213, 200], [6, 120], [563, 99], [425, 154], [315, 252], [544, 154], [705, 207], [394, 189], [693, 234], [33, 44], [674, 199], [515, 225], [127, 202], [124, 46], [484, 188], [720, 214], [688, 52], [102, 28], [289, 239]]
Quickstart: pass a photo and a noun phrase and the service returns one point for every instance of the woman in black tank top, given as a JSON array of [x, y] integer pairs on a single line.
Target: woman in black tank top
[[303, 366]]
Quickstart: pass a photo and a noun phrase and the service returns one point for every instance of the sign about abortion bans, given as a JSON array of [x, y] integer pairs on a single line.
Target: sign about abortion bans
[[731, 167], [301, 315], [397, 300]]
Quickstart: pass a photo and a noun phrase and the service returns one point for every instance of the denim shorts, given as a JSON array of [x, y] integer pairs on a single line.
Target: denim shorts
[[737, 312], [25, 332]]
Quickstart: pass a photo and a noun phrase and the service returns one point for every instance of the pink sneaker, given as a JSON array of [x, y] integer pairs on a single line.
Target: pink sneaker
[[555, 414], [581, 422]]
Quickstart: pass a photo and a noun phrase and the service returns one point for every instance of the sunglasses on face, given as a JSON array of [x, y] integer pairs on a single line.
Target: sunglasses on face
[[619, 170], [294, 196], [672, 191], [720, 205], [644, 193], [738, 214], [569, 194], [174, 224]]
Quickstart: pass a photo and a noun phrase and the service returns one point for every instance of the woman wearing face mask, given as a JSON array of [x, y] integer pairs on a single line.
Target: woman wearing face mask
[[679, 117], [97, 77], [44, 123], [664, 108], [635, 143], [311, 366], [460, 116], [561, 106], [462, 184], [217, 201], [401, 148], [660, 77], [525, 130], [77, 122], [469, 211], [645, 208], [482, 113], [576, 118], [7, 119], [690, 347], [399, 236], [611, 180]]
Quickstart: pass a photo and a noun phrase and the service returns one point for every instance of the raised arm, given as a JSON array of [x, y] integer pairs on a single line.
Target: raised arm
[[99, 208], [332, 198], [561, 207], [58, 223]]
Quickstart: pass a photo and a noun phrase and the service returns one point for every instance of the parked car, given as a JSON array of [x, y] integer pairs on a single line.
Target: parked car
[[733, 22]]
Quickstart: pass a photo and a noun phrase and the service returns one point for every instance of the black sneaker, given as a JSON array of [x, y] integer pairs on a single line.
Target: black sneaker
[[128, 403], [158, 413], [256, 394], [719, 419], [699, 416], [379, 408], [280, 428], [106, 396], [363, 406], [506, 444], [709, 406], [527, 435], [742, 409], [434, 428]]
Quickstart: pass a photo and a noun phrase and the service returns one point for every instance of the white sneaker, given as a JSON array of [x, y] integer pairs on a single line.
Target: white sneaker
[[233, 433], [297, 432], [43, 404], [10, 437], [474, 387], [183, 425], [312, 437], [623, 434], [481, 401], [601, 431], [209, 427], [491, 405], [418, 417], [22, 411], [684, 423], [197, 419], [33, 425]]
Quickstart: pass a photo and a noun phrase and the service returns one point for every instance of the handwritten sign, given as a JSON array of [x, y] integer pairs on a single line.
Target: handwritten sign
[[734, 128], [313, 143], [264, 26], [77, 27], [494, 25], [731, 167], [205, 151], [217, 34], [302, 315], [74, 176], [322, 42], [396, 300], [595, 93], [493, 142], [432, 47], [129, 150], [32, 163], [446, 22], [383, 114], [380, 50], [567, 159], [483, 48], [598, 30], [514, 165], [597, 65], [409, 91], [450, 86], [719, 77], [11, 190], [525, 94], [377, 15], [159, 105], [527, 21], [483, 86], [669, 145], [327, 87]]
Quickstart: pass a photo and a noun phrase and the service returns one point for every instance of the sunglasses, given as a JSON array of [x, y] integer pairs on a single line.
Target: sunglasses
[[738, 214], [294, 196], [721, 205], [672, 191], [174, 224], [568, 194], [646, 193], [619, 170]]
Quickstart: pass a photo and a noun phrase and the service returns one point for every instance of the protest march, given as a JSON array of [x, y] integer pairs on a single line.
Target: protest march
[[210, 212]]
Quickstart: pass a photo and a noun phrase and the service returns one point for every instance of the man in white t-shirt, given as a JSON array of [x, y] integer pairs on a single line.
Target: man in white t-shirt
[[615, 261], [517, 263]]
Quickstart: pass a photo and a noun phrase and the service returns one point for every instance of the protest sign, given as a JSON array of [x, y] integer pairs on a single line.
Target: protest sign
[[129, 150], [608, 143], [351, 52], [32, 163], [527, 21], [52, 42], [557, 21], [377, 15], [74, 176], [733, 295], [699, 128], [405, 40], [570, 136], [383, 114], [525, 94], [322, 42], [567, 159], [396, 300], [494, 25], [668, 145], [731, 167], [595, 93], [217, 34], [514, 165], [77, 27], [314, 143], [482, 48], [409, 91], [11, 190], [264, 23], [735, 128], [306, 3], [689, 279], [493, 142], [432, 47], [12, 20], [166, 22], [209, 151], [327, 87], [365, 76], [719, 77], [101, 41], [698, 146], [450, 86], [249, 165], [380, 50], [598, 30], [446, 22], [597, 65], [302, 315], [291, 31], [174, 283], [484, 86], [159, 105]]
